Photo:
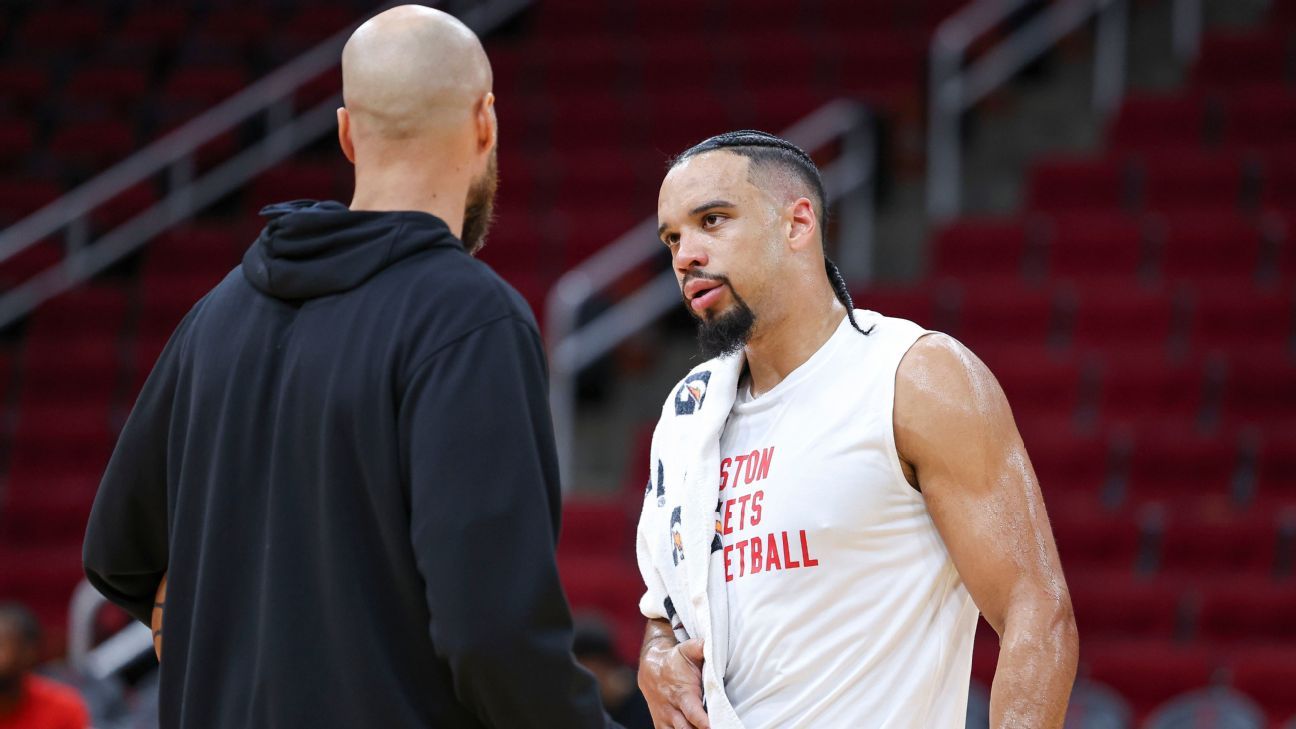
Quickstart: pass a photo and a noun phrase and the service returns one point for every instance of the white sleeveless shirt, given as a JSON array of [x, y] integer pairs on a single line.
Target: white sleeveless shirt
[[844, 607]]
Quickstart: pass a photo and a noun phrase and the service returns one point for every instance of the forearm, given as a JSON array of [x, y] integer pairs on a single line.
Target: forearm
[[1037, 666], [657, 635]]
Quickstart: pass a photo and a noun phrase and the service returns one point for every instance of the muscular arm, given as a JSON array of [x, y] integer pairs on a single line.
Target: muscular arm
[[956, 435]]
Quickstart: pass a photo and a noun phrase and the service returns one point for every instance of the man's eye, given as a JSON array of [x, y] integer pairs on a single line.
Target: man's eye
[[711, 220]]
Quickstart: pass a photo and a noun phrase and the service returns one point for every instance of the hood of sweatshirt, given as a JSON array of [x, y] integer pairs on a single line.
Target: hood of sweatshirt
[[310, 249]]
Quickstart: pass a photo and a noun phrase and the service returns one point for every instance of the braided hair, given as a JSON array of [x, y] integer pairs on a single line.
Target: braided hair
[[765, 149]]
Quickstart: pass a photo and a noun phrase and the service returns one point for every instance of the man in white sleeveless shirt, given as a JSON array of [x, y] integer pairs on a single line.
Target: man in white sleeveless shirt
[[874, 494]]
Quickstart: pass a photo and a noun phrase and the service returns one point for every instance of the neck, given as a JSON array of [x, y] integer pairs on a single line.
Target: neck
[[780, 346], [424, 188]]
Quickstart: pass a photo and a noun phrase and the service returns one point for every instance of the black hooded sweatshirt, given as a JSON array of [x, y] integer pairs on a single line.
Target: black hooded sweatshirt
[[344, 463]]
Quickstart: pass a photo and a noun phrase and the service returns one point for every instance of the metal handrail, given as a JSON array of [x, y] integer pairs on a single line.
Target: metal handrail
[[954, 89], [573, 346], [173, 154]]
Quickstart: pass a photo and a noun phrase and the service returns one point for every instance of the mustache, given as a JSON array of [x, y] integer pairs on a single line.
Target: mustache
[[703, 275]]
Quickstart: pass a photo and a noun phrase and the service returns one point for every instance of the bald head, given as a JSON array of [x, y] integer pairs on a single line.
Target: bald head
[[411, 70]]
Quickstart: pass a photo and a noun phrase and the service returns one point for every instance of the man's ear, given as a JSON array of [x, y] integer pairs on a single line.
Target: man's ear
[[804, 225], [486, 124], [344, 134]]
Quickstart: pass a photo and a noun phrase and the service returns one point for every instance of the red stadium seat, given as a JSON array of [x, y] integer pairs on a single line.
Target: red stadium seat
[[1229, 59], [993, 314], [1233, 317], [298, 180], [916, 303], [22, 197], [1115, 314], [166, 298], [23, 83], [1255, 610], [689, 71], [1097, 546], [1177, 464], [1260, 387], [118, 86], [92, 145], [682, 119], [596, 529], [1278, 179], [1209, 246], [124, 206], [195, 250], [67, 435], [312, 24], [1224, 545], [1118, 605], [17, 138], [777, 107], [1110, 245], [1267, 674], [1141, 386], [1067, 463], [603, 180], [1157, 121], [1276, 467], [96, 309], [1060, 184], [75, 369], [1260, 116], [1178, 180], [973, 247], [245, 26], [1034, 380], [204, 85], [801, 61], [574, 65], [155, 27], [61, 28], [1147, 672]]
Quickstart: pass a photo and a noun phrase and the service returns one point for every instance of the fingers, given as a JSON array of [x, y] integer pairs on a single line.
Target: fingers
[[691, 705], [670, 719], [692, 650]]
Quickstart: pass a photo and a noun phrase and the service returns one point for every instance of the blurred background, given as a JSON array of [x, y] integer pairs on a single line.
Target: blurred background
[[1096, 196]]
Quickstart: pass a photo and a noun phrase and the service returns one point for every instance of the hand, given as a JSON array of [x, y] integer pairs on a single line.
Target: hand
[[671, 680], [155, 620]]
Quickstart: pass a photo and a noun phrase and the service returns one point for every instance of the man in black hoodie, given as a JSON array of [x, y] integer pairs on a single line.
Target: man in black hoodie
[[343, 460]]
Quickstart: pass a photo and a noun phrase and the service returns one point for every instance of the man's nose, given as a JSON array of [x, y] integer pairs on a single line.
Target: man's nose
[[691, 253]]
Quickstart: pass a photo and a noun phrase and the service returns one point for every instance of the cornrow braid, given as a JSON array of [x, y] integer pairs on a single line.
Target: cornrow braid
[[843, 294], [765, 148]]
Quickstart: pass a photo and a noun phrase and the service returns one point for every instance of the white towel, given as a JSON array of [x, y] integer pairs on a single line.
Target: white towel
[[677, 527]]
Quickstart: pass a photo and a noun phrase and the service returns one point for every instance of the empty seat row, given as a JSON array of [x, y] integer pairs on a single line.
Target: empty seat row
[[1247, 117], [1106, 246], [1165, 181]]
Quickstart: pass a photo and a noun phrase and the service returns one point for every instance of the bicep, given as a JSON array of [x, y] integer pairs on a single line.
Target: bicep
[[954, 426]]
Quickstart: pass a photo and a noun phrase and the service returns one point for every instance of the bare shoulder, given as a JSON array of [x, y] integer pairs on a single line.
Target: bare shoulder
[[939, 371], [945, 392]]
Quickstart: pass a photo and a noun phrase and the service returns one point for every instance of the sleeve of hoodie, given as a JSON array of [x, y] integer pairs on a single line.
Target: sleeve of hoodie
[[125, 553], [485, 506]]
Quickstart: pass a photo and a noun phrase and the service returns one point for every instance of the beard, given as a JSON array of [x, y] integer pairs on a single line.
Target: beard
[[480, 206], [726, 332]]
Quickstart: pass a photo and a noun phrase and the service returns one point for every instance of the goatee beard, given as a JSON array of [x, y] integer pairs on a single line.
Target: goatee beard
[[725, 333]]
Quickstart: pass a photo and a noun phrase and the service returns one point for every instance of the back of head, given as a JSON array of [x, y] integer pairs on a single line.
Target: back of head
[[419, 119], [412, 72]]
